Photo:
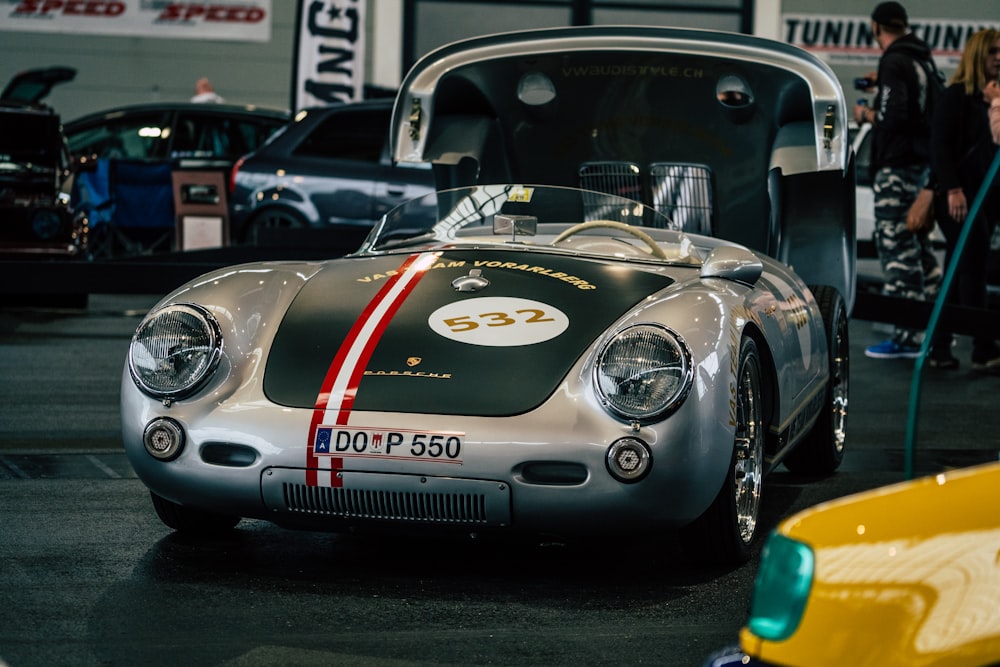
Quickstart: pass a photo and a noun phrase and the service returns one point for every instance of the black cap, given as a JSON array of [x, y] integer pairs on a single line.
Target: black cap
[[890, 14]]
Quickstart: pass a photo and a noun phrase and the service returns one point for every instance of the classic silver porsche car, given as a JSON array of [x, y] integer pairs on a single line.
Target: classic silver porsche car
[[536, 356]]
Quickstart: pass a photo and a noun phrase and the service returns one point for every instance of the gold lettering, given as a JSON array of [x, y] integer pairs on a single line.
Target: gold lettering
[[576, 281]]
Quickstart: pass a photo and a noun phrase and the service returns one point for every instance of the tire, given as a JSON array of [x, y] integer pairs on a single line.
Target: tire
[[728, 530], [270, 221], [191, 520], [822, 450]]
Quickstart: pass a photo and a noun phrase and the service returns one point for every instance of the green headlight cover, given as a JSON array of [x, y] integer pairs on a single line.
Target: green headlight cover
[[782, 588]]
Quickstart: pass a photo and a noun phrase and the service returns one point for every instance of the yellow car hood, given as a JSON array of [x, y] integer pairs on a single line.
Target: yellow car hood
[[908, 574]]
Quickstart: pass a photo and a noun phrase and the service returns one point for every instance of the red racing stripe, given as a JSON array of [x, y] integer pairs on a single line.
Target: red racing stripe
[[340, 385]]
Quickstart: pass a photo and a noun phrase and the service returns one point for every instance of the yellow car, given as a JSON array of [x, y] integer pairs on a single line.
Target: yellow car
[[907, 574]]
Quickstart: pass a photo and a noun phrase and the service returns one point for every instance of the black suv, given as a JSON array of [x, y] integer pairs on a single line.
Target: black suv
[[35, 218], [322, 180]]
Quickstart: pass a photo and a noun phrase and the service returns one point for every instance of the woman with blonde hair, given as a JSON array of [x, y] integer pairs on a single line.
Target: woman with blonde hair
[[962, 151]]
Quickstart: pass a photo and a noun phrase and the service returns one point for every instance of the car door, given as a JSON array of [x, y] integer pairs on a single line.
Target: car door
[[339, 164]]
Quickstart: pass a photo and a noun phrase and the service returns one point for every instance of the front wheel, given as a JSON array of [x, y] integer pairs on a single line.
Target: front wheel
[[191, 520], [727, 530], [822, 450]]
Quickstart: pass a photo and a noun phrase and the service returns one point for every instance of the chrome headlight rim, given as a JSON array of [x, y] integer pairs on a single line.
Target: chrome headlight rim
[[214, 334], [673, 402]]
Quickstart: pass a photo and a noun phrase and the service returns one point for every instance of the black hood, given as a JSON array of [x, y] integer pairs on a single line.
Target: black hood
[[32, 86], [413, 368], [912, 45]]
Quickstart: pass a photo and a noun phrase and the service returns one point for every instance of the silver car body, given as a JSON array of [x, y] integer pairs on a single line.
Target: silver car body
[[316, 359], [691, 449]]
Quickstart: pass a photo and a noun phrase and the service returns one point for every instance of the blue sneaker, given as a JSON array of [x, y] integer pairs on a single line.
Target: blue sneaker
[[892, 349]]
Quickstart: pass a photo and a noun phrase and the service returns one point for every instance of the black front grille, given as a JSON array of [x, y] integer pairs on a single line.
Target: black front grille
[[439, 508]]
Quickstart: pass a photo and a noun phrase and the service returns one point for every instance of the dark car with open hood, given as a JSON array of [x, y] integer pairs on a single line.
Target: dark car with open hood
[[35, 216]]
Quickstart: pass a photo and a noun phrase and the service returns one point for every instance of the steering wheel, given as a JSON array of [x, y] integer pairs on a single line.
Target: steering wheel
[[656, 250]]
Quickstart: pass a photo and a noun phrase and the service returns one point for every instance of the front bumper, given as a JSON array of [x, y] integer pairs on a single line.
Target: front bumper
[[543, 472]]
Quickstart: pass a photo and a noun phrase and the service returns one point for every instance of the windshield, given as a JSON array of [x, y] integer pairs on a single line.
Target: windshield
[[582, 221]]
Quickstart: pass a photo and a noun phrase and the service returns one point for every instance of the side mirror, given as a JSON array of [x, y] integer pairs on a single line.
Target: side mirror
[[733, 263]]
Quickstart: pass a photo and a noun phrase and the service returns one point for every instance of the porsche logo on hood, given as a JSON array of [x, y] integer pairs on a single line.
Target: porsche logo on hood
[[473, 282]]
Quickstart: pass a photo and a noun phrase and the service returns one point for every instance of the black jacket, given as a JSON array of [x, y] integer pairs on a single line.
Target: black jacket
[[962, 147], [901, 136]]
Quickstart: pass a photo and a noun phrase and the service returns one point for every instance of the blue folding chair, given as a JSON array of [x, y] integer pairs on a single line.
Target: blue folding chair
[[143, 218]]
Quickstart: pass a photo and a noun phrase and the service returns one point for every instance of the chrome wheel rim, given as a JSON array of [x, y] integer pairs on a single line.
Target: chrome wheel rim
[[839, 382], [749, 455]]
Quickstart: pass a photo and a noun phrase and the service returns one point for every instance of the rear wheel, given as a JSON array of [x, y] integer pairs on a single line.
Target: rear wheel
[[728, 529], [823, 449], [191, 520], [270, 223]]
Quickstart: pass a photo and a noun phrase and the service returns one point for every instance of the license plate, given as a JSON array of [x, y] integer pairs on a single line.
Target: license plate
[[393, 444]]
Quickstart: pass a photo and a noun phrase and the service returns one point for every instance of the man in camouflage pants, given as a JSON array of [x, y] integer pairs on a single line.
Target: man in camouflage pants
[[911, 270], [900, 166]]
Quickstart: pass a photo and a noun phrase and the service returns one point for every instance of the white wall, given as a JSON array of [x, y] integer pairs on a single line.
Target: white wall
[[123, 70]]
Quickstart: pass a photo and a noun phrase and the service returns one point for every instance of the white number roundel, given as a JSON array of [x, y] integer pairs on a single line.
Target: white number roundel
[[498, 321]]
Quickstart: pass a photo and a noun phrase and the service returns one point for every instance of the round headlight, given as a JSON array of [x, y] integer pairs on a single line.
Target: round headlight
[[174, 350], [644, 372]]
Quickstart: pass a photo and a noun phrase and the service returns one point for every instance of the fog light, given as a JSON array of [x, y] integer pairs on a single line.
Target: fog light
[[163, 439], [628, 460]]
